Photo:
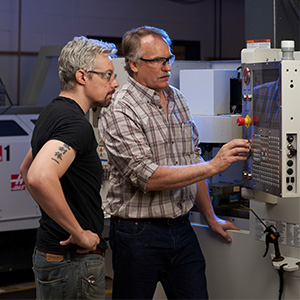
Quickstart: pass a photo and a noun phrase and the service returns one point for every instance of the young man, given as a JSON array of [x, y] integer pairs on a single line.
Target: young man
[[63, 173], [156, 176]]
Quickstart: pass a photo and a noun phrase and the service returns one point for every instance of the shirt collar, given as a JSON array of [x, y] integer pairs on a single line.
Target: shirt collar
[[151, 94]]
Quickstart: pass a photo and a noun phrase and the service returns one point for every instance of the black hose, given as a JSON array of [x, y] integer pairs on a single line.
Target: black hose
[[280, 273]]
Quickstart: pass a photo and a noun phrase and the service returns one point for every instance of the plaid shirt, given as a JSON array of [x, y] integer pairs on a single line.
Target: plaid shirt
[[138, 137]]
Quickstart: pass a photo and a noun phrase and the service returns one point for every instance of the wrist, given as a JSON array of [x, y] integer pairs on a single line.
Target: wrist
[[212, 169], [77, 234]]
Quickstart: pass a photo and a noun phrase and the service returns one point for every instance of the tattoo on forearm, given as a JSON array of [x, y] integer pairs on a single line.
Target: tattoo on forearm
[[58, 155]]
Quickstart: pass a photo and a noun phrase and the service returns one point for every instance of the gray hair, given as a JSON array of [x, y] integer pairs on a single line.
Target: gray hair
[[131, 43], [80, 53]]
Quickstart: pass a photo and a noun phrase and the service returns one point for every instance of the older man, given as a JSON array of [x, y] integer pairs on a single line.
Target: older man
[[156, 176]]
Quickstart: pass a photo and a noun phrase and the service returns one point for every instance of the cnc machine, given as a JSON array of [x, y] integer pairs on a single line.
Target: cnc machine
[[248, 268], [239, 270]]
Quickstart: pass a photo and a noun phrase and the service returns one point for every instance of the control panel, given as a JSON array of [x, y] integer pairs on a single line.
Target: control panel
[[290, 168], [271, 122]]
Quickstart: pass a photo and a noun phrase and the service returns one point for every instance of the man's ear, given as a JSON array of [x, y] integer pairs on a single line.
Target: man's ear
[[134, 66], [80, 76]]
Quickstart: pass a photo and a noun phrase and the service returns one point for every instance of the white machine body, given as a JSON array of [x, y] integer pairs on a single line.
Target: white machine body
[[271, 183], [17, 209]]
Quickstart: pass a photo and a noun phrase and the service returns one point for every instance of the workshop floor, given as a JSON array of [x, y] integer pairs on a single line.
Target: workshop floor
[[20, 285]]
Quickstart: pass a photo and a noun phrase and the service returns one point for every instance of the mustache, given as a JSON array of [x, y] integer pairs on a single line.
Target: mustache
[[111, 92], [166, 74]]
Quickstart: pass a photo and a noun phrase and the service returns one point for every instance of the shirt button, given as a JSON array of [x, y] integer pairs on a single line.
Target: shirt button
[[176, 163], [172, 142]]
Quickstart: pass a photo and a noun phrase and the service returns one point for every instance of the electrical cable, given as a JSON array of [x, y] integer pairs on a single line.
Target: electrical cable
[[280, 273], [280, 270], [258, 218]]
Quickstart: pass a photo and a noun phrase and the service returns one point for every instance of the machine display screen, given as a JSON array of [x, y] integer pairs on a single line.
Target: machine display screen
[[264, 109], [266, 104]]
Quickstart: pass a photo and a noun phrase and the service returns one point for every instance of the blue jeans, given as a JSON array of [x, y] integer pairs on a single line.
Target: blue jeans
[[148, 251], [69, 277]]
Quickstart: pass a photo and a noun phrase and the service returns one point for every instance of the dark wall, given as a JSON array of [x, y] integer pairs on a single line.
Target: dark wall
[[274, 19]]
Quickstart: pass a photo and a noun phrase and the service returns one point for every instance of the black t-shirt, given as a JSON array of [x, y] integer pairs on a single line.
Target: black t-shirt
[[64, 120]]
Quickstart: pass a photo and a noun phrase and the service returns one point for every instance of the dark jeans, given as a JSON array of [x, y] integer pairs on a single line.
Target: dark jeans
[[148, 251], [69, 278]]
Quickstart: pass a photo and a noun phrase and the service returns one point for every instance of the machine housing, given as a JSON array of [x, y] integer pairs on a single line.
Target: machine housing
[[271, 119]]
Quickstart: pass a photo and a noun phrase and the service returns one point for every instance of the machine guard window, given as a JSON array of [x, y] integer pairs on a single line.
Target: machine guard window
[[266, 102], [11, 128]]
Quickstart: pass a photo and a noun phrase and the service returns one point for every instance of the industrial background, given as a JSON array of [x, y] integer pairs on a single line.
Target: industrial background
[[26, 25], [206, 34]]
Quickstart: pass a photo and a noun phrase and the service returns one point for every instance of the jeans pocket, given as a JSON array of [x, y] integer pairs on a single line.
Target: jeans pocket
[[52, 289], [93, 282], [53, 279]]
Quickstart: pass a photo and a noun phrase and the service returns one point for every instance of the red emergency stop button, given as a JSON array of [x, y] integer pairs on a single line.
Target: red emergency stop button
[[244, 121]]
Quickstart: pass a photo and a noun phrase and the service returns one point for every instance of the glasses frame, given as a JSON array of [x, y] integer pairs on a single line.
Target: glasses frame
[[170, 60], [107, 75]]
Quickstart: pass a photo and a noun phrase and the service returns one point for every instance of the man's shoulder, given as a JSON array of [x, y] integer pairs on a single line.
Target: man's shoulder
[[175, 94], [62, 106], [126, 95], [173, 90], [121, 92]]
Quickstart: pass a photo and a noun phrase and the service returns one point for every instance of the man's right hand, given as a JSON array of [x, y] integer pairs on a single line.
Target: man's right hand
[[231, 152], [87, 240]]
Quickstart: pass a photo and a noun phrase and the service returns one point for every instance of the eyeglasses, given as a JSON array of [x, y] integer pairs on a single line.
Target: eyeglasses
[[160, 61], [107, 75]]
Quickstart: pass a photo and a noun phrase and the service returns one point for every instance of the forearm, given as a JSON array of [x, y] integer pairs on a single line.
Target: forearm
[[49, 195], [204, 205], [42, 178], [46, 190], [203, 202], [51, 199], [25, 166], [173, 177]]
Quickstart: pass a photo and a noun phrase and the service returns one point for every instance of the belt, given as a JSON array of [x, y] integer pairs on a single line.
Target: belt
[[97, 251], [166, 221], [72, 253]]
